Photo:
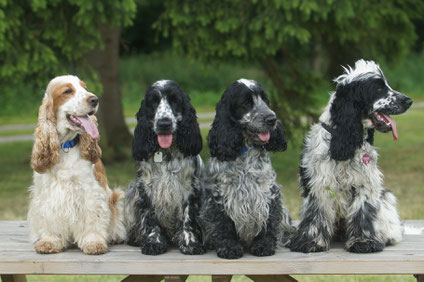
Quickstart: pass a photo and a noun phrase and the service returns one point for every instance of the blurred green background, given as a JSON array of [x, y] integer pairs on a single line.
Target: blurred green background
[[293, 48]]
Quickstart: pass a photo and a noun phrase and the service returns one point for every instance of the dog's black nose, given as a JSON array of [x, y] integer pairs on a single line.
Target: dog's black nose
[[93, 101], [164, 124], [405, 101], [408, 102], [271, 120]]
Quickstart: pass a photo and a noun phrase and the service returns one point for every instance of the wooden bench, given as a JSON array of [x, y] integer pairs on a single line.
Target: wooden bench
[[18, 258]]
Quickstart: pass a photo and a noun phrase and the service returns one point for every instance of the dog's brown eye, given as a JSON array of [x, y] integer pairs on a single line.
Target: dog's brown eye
[[68, 91]]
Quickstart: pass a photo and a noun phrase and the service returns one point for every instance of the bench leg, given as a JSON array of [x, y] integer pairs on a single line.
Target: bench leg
[[272, 278], [176, 278], [143, 278], [221, 278], [13, 278], [420, 277]]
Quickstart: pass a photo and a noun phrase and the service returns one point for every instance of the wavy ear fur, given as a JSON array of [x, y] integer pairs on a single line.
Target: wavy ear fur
[[89, 147], [277, 142], [144, 143], [189, 139], [346, 118], [225, 139], [45, 152]]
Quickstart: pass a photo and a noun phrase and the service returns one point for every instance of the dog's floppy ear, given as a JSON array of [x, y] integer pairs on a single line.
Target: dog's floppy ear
[[144, 144], [45, 152], [346, 118], [225, 139], [277, 142], [189, 139], [89, 147]]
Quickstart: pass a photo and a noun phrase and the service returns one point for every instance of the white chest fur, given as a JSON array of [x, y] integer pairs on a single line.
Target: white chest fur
[[168, 184], [245, 189], [66, 193], [339, 177]]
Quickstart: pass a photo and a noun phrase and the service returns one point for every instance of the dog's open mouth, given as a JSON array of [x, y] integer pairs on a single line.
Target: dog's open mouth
[[264, 136], [384, 123], [165, 140], [258, 137], [85, 124]]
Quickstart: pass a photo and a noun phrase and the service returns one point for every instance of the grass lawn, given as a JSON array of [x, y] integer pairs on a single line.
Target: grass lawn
[[204, 83], [401, 162]]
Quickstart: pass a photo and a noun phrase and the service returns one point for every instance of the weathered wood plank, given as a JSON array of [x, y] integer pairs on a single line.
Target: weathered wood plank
[[272, 278], [419, 277], [17, 256], [13, 278], [409, 243], [221, 278], [176, 278], [175, 263], [143, 278]]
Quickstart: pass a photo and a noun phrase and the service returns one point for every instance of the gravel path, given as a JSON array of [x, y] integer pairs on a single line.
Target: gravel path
[[128, 120], [29, 137]]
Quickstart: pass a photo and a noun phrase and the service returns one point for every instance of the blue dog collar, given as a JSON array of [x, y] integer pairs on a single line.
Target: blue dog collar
[[70, 144], [244, 150]]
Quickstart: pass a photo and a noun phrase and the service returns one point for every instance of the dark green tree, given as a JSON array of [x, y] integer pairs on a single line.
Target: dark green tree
[[40, 39], [296, 42]]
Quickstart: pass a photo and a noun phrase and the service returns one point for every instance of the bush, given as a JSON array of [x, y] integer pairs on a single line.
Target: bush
[[204, 84]]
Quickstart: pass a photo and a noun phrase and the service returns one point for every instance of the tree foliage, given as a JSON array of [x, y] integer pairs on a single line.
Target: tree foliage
[[296, 42], [42, 38]]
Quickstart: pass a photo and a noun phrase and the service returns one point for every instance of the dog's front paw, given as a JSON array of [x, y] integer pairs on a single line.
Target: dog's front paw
[[229, 249], [189, 244], [301, 244], [365, 246], [263, 247], [47, 247], [95, 248], [193, 248], [154, 245], [154, 248]]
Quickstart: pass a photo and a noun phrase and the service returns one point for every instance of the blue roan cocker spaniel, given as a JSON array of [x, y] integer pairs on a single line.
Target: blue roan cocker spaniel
[[242, 206], [341, 183], [162, 204]]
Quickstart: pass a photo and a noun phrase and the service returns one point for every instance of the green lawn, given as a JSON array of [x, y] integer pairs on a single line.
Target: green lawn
[[401, 162], [204, 83]]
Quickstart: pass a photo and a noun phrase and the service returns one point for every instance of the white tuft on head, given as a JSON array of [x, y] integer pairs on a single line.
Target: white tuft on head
[[362, 71], [160, 83], [74, 80], [248, 82]]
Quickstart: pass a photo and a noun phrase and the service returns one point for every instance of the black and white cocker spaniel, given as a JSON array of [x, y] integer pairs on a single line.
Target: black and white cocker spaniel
[[341, 182], [162, 204], [241, 206]]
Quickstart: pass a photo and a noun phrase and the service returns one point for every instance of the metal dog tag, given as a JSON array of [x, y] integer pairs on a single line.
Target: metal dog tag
[[158, 157]]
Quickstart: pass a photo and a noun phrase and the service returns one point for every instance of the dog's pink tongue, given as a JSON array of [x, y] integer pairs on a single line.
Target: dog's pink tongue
[[165, 140], [264, 136], [393, 125], [89, 126]]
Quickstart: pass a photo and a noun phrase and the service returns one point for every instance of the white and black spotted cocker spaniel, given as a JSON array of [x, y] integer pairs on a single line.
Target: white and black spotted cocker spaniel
[[162, 204], [241, 206], [341, 182]]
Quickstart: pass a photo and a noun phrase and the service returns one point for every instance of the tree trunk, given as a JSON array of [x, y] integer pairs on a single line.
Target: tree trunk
[[292, 104], [116, 138]]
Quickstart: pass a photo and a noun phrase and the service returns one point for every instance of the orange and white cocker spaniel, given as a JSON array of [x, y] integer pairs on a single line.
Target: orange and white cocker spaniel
[[71, 202]]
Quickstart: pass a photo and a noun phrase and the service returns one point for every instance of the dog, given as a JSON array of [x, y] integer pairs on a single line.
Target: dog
[[241, 206], [341, 183], [71, 202], [162, 204]]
